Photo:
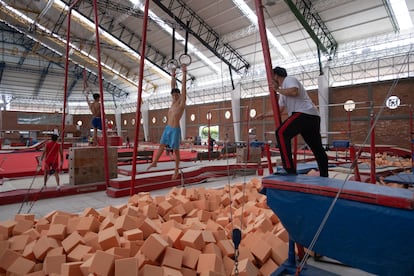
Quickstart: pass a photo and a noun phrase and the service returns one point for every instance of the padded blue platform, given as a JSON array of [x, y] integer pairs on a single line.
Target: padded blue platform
[[370, 226], [302, 168], [401, 178]]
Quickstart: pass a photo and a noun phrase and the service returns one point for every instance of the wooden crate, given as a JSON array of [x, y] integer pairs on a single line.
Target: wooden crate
[[86, 165], [255, 155]]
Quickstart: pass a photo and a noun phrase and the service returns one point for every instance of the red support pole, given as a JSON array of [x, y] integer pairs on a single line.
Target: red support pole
[[412, 139], [373, 179], [98, 53], [269, 158], [268, 62], [65, 85], [139, 102], [209, 135]]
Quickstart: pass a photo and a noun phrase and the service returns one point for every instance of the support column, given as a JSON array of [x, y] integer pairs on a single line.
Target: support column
[[235, 107], [323, 99], [183, 125], [118, 121], [145, 120]]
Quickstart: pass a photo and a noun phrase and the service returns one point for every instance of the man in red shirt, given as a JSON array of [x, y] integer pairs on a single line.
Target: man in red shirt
[[51, 153]]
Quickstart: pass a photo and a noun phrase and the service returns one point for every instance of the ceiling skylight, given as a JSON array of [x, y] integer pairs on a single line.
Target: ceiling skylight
[[244, 8], [402, 14]]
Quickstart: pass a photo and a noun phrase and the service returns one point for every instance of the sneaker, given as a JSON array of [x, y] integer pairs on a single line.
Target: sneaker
[[58, 188]]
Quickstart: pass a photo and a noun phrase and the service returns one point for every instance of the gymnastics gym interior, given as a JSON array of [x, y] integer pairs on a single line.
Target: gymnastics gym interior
[[232, 209]]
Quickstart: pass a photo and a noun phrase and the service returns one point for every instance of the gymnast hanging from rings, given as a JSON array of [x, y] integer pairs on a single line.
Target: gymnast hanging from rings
[[171, 135]]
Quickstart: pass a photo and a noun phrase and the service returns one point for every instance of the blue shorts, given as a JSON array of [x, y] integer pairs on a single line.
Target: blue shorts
[[97, 123], [171, 137]]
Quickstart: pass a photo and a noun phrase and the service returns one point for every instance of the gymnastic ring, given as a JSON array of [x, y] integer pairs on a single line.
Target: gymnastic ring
[[185, 59], [172, 64], [87, 92]]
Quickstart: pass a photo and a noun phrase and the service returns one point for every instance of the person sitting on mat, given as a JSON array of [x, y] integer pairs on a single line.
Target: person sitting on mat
[[51, 154], [171, 136], [95, 107]]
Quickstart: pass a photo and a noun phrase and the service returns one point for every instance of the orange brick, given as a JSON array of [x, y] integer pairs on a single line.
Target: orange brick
[[28, 251], [188, 272], [126, 267], [210, 262], [71, 269], [131, 211], [77, 254], [263, 224], [55, 251], [283, 235], [166, 226], [4, 245], [22, 226], [223, 221], [108, 238], [153, 247], [85, 267], [71, 241], [149, 227], [21, 266], [150, 211], [175, 235], [30, 217], [168, 271], [193, 238], [6, 228], [102, 263], [279, 247], [172, 258], [42, 224], [32, 233], [245, 253], [8, 258], [57, 231], [106, 223], [261, 250], [268, 267], [164, 207], [213, 226], [212, 248], [177, 217], [208, 236], [133, 234], [247, 268], [19, 242], [152, 270], [87, 212], [119, 252], [36, 273], [87, 224], [72, 224], [52, 264], [91, 239], [220, 234], [109, 210], [124, 223], [227, 247], [190, 257], [42, 246], [60, 219]]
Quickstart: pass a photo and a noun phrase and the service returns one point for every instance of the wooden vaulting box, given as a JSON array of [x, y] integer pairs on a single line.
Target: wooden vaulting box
[[86, 165]]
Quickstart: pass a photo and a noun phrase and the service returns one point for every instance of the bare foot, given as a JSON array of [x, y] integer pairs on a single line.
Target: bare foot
[[175, 175], [153, 165]]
